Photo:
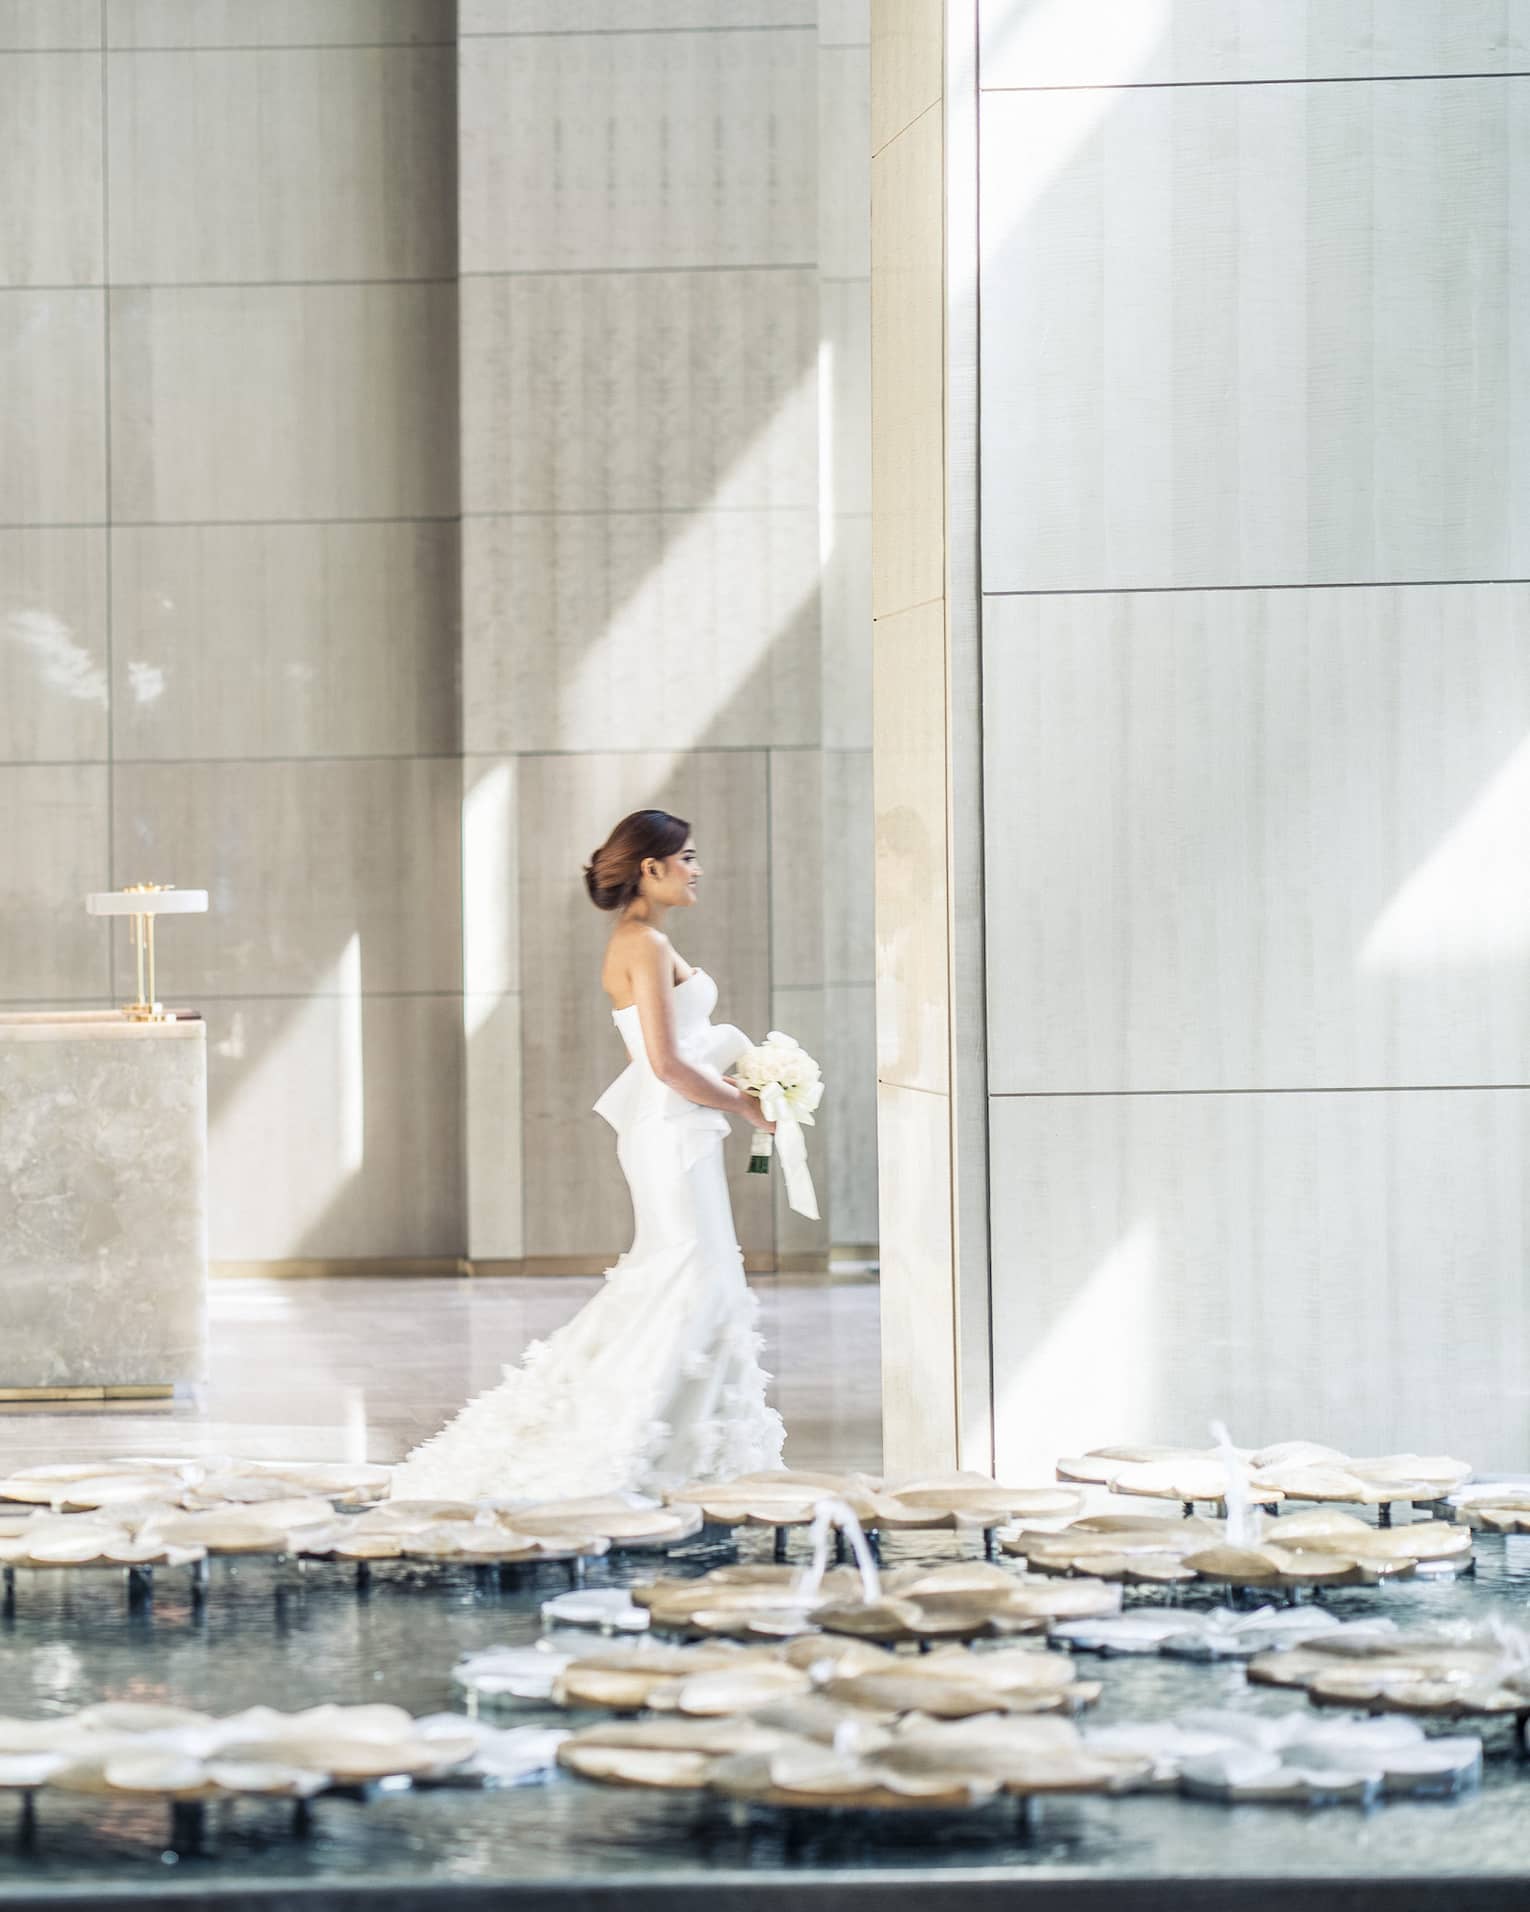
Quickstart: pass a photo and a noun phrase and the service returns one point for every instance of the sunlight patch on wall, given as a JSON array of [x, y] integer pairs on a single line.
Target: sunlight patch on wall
[[1092, 1377], [292, 1134], [1467, 905]]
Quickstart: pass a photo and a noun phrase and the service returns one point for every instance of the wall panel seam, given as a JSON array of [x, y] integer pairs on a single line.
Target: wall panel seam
[[286, 46], [904, 610], [1316, 1088], [628, 272], [1173, 590], [638, 33], [106, 490], [1316, 79], [275, 284], [893, 138]]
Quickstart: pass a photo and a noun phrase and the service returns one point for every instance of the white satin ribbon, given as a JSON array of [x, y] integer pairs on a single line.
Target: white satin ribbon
[[792, 1150]]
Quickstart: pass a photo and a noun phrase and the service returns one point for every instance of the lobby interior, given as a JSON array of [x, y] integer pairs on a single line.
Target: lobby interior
[[1041, 485]]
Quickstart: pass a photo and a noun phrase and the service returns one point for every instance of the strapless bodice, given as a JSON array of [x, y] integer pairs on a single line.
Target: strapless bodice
[[638, 1095], [693, 1002]]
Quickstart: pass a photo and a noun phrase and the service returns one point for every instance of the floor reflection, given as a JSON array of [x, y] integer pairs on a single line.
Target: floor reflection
[[364, 1367]]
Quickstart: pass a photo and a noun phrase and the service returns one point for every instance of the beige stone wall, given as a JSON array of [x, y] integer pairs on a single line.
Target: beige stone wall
[[367, 580], [229, 573], [663, 351]]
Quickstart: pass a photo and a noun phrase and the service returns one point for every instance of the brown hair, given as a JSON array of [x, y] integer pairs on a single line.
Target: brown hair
[[614, 874]]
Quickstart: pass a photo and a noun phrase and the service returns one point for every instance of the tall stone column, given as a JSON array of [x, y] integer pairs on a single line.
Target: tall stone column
[[1244, 861], [927, 750]]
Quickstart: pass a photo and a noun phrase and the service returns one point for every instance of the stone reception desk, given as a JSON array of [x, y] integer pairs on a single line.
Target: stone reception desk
[[103, 1205]]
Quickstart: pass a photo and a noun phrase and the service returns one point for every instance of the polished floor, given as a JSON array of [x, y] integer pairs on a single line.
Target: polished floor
[[364, 1367]]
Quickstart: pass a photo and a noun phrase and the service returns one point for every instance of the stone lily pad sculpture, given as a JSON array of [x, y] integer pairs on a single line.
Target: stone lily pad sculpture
[[1494, 1508], [930, 1765], [1428, 1674], [86, 1540], [1316, 1549], [855, 1678], [448, 1532], [168, 1753], [158, 1534], [666, 1755], [701, 1681], [954, 1683], [1289, 1758], [607, 1609], [1179, 1633], [958, 1601], [841, 1762], [516, 1675], [1290, 1470], [194, 1485], [961, 1502], [622, 1520]]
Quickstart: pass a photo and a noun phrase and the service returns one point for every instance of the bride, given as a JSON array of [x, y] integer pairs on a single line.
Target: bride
[[657, 1379]]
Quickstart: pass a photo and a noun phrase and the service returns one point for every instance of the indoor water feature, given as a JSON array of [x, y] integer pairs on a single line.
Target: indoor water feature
[[272, 1634]]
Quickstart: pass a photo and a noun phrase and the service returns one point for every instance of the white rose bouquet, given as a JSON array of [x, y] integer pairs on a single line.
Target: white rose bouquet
[[789, 1084]]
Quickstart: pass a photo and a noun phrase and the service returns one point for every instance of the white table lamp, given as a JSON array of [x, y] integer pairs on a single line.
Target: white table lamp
[[142, 902]]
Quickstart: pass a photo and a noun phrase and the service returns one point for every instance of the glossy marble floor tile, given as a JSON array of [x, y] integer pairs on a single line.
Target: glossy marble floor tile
[[365, 1367]]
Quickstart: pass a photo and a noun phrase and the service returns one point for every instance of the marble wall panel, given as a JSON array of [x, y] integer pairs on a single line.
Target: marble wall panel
[[480, 17], [844, 23], [918, 1298], [845, 320], [640, 630], [236, 23], [845, 615], [491, 921], [495, 1137], [32, 26], [285, 640], [341, 400], [52, 408], [908, 369], [317, 163], [576, 1201], [907, 55], [324, 877], [850, 1144], [913, 989], [1222, 335], [844, 161], [53, 686], [849, 839], [54, 851], [335, 1126], [640, 392], [1035, 43], [1347, 1268], [619, 151], [1258, 839], [50, 185], [800, 825]]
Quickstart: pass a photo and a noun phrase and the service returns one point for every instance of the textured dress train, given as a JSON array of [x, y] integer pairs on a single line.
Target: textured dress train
[[657, 1379]]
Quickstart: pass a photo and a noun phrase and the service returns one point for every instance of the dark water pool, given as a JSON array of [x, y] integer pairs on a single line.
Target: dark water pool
[[270, 1635]]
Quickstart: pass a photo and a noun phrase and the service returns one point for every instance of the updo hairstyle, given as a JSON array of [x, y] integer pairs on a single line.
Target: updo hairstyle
[[614, 875]]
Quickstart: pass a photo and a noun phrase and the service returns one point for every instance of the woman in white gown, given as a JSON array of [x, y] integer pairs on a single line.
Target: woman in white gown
[[657, 1379]]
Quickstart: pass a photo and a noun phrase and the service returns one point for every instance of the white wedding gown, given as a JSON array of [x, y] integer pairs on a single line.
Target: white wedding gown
[[657, 1379]]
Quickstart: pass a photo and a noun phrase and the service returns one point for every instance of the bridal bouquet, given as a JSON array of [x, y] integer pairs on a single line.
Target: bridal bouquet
[[789, 1084]]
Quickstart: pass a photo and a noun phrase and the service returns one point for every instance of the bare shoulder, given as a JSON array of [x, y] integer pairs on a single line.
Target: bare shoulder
[[643, 946], [635, 949]]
